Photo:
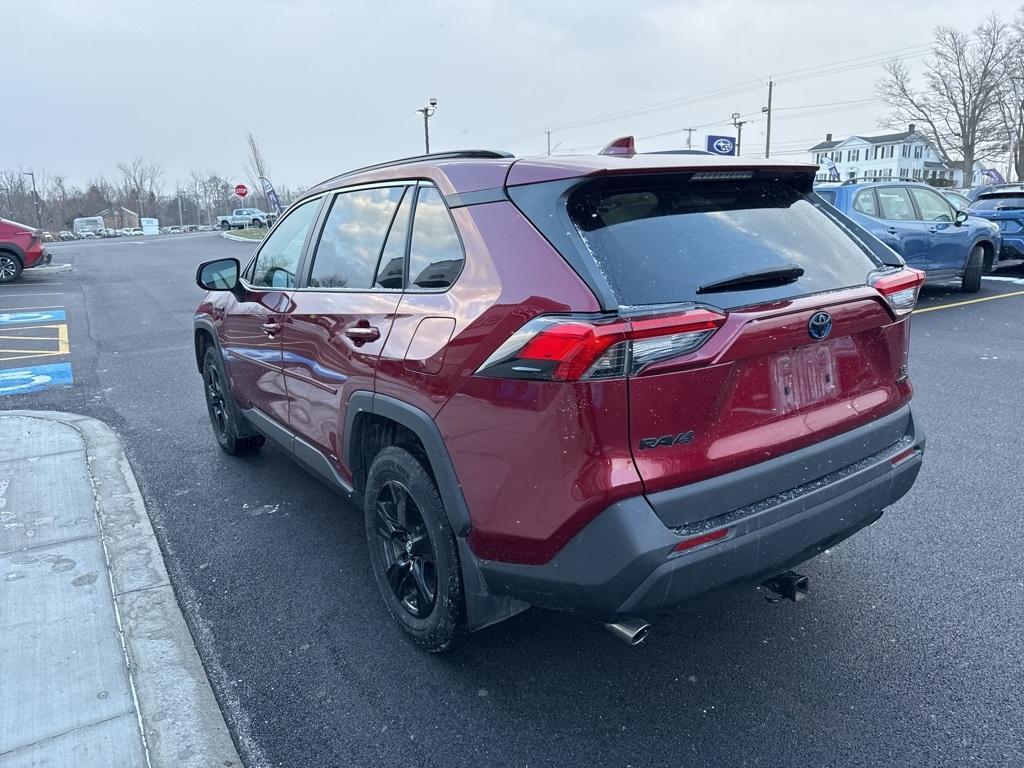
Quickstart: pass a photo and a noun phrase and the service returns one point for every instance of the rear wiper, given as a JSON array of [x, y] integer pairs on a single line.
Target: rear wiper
[[765, 278]]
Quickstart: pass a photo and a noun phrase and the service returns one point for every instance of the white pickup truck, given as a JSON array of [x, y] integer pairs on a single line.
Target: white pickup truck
[[244, 217]]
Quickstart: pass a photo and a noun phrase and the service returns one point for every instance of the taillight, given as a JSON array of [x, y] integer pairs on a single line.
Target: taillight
[[552, 348], [900, 288]]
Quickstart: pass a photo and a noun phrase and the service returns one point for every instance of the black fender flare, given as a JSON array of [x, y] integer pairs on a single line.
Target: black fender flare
[[202, 322], [482, 607], [421, 425]]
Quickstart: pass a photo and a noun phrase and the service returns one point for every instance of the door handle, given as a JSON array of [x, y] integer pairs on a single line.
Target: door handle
[[271, 328], [892, 231], [361, 334]]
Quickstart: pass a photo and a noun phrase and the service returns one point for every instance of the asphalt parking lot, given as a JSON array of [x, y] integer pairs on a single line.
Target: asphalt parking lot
[[908, 651]]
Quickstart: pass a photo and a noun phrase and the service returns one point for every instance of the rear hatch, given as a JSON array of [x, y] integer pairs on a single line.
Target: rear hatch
[[753, 329], [1004, 208]]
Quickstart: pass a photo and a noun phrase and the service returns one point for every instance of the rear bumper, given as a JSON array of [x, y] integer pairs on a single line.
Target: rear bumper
[[38, 258], [623, 563]]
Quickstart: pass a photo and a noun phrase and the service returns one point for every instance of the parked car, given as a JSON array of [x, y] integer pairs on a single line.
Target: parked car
[[958, 201], [66, 234], [21, 248], [605, 385], [921, 226], [244, 217], [1004, 206]]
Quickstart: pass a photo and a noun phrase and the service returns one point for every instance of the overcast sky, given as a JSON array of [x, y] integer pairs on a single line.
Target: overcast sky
[[326, 86]]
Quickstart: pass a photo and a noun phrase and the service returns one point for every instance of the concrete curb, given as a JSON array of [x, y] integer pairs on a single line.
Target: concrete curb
[[181, 720], [237, 239], [49, 269]]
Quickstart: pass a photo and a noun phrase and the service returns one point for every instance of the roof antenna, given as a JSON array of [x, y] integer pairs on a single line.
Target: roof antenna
[[624, 146]]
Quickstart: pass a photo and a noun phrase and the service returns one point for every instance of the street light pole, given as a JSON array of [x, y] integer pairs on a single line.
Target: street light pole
[[768, 130], [427, 113], [35, 197], [739, 130]]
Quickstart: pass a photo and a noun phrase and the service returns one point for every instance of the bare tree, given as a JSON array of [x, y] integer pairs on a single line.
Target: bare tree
[[1011, 98], [256, 168], [140, 184], [958, 105]]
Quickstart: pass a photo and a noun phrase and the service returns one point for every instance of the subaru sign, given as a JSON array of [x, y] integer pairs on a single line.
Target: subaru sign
[[721, 145]]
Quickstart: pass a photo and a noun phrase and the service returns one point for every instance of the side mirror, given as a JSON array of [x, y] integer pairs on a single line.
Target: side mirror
[[961, 218], [218, 275]]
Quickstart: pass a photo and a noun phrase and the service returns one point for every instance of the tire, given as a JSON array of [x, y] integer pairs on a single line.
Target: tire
[[224, 416], [225, 225], [413, 553], [973, 271], [256, 223], [10, 267]]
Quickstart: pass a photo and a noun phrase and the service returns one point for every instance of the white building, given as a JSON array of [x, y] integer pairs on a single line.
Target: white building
[[905, 155]]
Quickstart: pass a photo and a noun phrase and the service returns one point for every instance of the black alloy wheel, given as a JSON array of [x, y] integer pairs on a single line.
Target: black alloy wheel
[[414, 555], [406, 549]]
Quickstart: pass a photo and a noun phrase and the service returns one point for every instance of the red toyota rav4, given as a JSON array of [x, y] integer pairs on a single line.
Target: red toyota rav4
[[21, 248], [604, 384]]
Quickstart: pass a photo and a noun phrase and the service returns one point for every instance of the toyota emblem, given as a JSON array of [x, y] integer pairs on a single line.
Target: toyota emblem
[[820, 325]]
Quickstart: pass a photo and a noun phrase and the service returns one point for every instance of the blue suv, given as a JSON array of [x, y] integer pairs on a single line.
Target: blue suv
[[1004, 206], [921, 226]]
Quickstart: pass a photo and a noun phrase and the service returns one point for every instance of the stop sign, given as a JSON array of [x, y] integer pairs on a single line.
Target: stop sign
[[241, 190]]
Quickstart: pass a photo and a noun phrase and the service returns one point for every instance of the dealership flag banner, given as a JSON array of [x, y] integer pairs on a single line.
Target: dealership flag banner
[[830, 166], [268, 190]]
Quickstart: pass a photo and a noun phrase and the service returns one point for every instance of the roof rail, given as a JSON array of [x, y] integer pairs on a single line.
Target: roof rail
[[461, 154], [859, 179]]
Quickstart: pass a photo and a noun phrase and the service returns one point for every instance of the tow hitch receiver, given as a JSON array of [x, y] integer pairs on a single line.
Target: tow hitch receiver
[[790, 585]]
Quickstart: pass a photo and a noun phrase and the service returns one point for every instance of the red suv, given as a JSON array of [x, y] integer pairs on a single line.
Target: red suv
[[21, 248], [604, 384]]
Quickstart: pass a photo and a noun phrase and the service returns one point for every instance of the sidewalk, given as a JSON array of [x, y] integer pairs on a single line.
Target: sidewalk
[[97, 666]]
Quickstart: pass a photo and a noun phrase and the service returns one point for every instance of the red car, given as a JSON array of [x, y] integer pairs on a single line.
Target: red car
[[21, 248], [605, 384]]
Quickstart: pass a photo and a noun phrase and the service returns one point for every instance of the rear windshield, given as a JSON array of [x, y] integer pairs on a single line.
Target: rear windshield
[[1009, 202], [660, 240]]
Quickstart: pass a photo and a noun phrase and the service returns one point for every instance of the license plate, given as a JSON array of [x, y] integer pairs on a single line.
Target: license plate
[[804, 376]]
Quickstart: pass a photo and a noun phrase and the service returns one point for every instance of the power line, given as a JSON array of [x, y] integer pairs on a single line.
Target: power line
[[796, 75]]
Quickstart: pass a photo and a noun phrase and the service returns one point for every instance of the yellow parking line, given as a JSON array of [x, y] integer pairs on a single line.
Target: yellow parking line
[[62, 339], [969, 301]]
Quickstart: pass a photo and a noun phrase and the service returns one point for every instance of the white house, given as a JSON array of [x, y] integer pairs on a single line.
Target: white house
[[904, 155]]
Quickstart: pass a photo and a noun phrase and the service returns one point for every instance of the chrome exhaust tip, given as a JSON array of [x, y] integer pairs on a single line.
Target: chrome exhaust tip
[[630, 631]]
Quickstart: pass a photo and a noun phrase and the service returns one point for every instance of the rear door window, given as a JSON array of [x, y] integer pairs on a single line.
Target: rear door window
[[895, 204], [352, 239], [657, 240], [864, 203]]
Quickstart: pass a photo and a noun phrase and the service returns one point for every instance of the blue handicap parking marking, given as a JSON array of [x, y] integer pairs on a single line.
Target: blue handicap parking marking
[[18, 381], [39, 316]]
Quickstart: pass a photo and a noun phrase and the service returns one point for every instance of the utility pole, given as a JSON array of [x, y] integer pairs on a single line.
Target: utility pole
[[427, 113], [549, 142], [689, 136], [35, 197], [738, 124], [181, 221], [768, 131]]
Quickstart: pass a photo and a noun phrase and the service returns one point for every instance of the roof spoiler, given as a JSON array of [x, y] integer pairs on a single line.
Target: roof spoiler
[[624, 145]]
